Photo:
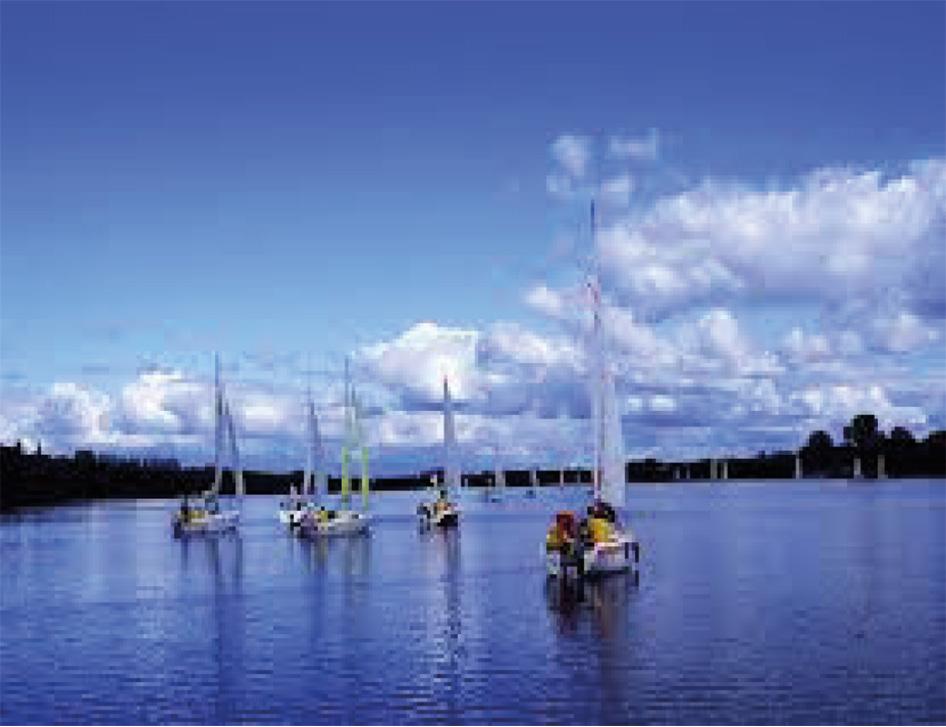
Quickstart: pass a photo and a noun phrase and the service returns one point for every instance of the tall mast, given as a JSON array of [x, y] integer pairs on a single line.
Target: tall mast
[[598, 372], [218, 426], [346, 445]]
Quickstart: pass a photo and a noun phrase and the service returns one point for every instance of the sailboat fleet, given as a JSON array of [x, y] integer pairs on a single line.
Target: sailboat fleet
[[596, 543]]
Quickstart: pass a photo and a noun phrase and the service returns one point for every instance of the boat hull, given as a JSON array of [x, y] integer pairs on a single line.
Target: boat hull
[[620, 555], [445, 518], [209, 524], [292, 518], [345, 524]]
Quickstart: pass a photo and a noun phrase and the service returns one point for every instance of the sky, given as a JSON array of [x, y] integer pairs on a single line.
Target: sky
[[408, 185]]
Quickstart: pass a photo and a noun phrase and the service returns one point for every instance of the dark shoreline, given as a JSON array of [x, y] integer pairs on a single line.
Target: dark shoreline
[[30, 479]]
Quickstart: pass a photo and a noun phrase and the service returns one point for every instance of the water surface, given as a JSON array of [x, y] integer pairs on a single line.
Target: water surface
[[799, 602]]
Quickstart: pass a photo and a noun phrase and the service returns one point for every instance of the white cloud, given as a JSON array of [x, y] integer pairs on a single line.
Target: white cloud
[[616, 192], [807, 347], [416, 361], [901, 332], [514, 343], [572, 152], [639, 148], [544, 300], [836, 236], [838, 403], [164, 402], [75, 413]]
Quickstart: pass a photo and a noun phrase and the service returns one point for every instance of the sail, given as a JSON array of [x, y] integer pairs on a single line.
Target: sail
[[359, 440], [347, 444], [218, 427], [318, 456], [239, 489], [499, 476], [309, 453], [610, 473], [450, 472]]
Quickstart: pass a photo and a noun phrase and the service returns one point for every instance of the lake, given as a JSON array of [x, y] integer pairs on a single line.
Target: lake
[[758, 602]]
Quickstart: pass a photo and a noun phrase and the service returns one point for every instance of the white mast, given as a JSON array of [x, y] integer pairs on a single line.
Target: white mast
[[596, 367]]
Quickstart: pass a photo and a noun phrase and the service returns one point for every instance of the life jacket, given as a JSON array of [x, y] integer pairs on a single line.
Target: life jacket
[[600, 530]]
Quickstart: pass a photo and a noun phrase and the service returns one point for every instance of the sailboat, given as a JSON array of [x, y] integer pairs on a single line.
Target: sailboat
[[495, 493], [532, 491], [442, 512], [292, 510], [204, 513], [344, 521], [598, 544]]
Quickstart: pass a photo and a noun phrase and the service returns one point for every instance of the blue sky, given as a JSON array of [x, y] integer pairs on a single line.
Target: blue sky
[[285, 182]]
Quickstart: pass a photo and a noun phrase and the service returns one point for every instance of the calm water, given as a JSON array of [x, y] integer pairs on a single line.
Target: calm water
[[764, 602]]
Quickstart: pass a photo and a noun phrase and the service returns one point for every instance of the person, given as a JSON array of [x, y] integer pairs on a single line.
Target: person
[[323, 514]]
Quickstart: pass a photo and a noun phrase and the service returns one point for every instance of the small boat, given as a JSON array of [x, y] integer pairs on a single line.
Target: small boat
[[292, 510], [599, 543], [495, 493], [205, 513], [442, 512], [532, 491], [344, 521]]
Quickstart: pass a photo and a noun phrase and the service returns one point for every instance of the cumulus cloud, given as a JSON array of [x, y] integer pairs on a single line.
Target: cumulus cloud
[[901, 332], [616, 191], [837, 235], [838, 403], [572, 152], [416, 362], [639, 148]]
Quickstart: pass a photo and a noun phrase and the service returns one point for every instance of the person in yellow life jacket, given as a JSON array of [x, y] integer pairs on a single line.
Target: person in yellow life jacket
[[323, 514], [553, 538], [600, 530]]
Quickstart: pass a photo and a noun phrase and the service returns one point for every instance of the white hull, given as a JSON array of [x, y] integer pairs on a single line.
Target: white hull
[[443, 518], [345, 523], [207, 524], [292, 518], [614, 556]]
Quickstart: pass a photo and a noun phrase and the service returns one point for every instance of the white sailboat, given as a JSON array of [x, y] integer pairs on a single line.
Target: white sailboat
[[204, 514], [495, 493], [323, 522], [532, 490], [292, 510], [443, 512], [600, 544]]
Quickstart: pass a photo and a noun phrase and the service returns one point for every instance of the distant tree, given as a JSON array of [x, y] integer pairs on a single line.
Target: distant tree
[[817, 453], [862, 433], [902, 436], [820, 441]]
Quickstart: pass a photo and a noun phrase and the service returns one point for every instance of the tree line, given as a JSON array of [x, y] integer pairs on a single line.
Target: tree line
[[41, 479]]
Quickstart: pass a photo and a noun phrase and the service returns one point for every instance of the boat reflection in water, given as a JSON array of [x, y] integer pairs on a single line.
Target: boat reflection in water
[[442, 647], [353, 555], [605, 600], [599, 643], [216, 565]]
